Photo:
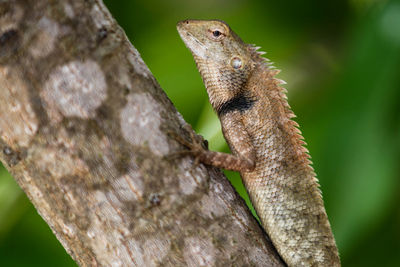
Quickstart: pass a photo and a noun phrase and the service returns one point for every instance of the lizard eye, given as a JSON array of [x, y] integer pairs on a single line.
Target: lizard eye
[[216, 34]]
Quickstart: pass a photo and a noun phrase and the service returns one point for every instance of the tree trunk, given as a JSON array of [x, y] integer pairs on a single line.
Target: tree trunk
[[84, 130]]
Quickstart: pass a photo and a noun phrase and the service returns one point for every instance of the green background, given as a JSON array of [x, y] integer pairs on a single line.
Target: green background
[[341, 60]]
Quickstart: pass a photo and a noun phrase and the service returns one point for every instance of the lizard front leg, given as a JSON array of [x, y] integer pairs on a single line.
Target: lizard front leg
[[243, 154]]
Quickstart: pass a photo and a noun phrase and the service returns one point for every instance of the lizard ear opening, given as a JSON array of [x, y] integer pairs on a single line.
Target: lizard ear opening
[[236, 63]]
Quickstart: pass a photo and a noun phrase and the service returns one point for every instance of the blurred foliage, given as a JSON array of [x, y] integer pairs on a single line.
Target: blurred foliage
[[341, 60]]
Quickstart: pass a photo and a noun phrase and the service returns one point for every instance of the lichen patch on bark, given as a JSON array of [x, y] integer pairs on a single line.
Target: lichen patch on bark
[[46, 37], [211, 205], [68, 10], [143, 112], [75, 89], [60, 163], [190, 180], [98, 17]]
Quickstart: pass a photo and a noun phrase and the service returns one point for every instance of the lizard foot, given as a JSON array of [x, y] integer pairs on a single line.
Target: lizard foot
[[196, 147]]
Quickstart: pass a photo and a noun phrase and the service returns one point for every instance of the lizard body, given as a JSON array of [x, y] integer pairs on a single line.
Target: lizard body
[[267, 147]]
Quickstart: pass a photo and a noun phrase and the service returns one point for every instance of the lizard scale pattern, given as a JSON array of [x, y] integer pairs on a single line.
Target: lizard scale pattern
[[267, 147]]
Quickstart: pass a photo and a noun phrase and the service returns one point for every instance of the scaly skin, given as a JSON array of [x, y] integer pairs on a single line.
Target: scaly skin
[[267, 147]]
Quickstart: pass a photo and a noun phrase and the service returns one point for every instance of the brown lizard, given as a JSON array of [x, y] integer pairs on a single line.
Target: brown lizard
[[267, 147]]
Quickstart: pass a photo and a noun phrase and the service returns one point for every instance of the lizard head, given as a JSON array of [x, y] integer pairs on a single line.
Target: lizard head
[[223, 59], [212, 40]]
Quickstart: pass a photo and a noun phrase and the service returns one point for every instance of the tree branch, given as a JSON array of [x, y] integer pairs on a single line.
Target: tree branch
[[83, 129]]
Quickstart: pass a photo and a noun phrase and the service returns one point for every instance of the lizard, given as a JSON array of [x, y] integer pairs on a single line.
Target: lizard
[[266, 145]]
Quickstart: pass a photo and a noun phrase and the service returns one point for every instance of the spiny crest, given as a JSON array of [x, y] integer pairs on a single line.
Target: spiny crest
[[257, 56], [297, 136], [293, 126]]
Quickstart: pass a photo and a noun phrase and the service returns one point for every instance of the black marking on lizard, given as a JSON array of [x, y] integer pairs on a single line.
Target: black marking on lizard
[[240, 102]]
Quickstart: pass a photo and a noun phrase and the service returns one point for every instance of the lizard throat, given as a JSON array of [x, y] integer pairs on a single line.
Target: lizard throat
[[241, 102], [224, 85]]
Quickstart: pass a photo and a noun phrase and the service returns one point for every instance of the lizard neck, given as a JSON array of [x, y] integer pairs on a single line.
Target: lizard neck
[[223, 83]]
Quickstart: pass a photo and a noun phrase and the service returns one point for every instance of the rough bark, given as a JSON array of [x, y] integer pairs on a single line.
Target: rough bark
[[84, 130]]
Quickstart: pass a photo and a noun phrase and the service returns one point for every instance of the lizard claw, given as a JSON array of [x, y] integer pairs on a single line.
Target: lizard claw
[[195, 147]]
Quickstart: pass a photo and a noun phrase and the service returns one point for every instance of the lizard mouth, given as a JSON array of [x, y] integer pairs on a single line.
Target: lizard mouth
[[196, 40], [197, 48]]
